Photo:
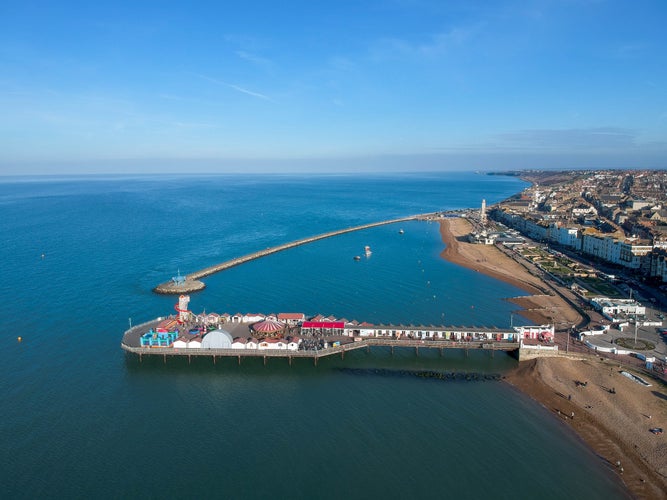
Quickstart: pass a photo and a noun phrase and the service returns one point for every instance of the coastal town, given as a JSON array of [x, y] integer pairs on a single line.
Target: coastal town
[[609, 259], [596, 239], [595, 283], [589, 247], [615, 218]]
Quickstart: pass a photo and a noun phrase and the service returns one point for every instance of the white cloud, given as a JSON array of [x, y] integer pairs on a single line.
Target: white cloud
[[253, 58], [591, 139], [432, 46], [236, 87]]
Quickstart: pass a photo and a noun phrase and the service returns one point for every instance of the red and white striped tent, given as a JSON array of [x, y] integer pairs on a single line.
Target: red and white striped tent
[[268, 327]]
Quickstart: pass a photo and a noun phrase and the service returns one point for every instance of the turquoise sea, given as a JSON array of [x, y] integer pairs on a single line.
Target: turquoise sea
[[81, 419]]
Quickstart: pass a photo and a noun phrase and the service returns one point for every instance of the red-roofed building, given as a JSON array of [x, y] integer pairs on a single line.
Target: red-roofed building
[[291, 319], [320, 317]]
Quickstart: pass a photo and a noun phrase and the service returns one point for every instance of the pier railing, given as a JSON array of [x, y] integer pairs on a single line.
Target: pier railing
[[319, 353]]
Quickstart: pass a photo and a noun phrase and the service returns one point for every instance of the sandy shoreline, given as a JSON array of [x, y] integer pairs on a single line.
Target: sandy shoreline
[[538, 307], [615, 425]]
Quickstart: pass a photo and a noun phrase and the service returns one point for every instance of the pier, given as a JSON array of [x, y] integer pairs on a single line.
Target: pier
[[410, 337], [191, 282], [321, 353]]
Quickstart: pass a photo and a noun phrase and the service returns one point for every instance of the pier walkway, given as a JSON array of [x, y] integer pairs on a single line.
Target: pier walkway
[[315, 354], [192, 282], [476, 338]]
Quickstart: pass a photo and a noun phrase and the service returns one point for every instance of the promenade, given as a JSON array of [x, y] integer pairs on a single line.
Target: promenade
[[192, 282]]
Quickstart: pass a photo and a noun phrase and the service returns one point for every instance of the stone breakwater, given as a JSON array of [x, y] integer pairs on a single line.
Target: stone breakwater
[[192, 281], [445, 376]]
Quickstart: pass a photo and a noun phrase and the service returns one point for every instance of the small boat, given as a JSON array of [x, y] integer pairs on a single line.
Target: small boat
[[356, 257], [656, 430], [400, 231], [367, 250]]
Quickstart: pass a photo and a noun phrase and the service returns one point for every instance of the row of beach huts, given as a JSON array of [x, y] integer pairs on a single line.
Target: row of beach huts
[[294, 331]]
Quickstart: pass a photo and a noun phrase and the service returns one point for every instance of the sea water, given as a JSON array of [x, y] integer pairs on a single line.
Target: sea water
[[80, 418]]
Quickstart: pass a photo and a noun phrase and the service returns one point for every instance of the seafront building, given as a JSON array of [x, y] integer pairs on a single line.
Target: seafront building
[[618, 309], [619, 217]]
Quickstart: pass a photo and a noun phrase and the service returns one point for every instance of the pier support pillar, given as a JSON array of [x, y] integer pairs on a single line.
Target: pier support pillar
[[315, 360], [165, 359], [417, 351], [342, 354], [189, 359], [140, 360], [264, 360], [214, 359], [239, 360], [441, 352], [368, 349], [289, 359], [392, 350]]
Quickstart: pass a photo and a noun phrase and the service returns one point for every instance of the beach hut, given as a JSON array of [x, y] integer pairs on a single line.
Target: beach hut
[[293, 343], [271, 344], [180, 343], [252, 343], [252, 317], [225, 318], [212, 319], [217, 339], [366, 329], [239, 343], [195, 343]]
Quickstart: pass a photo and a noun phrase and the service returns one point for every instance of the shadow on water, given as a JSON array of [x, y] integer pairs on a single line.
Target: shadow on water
[[453, 364]]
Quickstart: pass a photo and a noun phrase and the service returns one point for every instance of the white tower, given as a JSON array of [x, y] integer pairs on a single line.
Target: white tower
[[182, 308], [482, 213]]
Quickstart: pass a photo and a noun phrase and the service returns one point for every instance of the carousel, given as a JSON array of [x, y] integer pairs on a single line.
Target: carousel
[[269, 328]]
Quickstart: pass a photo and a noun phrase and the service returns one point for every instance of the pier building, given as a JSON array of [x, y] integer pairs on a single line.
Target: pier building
[[188, 334]]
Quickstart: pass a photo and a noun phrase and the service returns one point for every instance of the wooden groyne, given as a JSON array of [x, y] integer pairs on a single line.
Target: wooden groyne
[[192, 281]]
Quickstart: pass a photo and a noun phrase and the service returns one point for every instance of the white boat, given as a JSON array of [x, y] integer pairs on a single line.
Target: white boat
[[367, 250]]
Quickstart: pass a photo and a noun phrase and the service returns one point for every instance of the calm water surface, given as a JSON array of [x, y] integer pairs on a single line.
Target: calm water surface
[[82, 419]]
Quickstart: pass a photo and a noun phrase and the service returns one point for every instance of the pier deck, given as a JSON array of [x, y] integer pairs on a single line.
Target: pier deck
[[131, 344], [321, 353]]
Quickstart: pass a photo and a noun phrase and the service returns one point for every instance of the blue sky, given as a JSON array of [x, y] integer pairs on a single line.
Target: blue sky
[[338, 85]]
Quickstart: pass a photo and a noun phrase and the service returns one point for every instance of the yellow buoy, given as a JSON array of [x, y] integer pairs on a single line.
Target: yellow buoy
[[19, 339]]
